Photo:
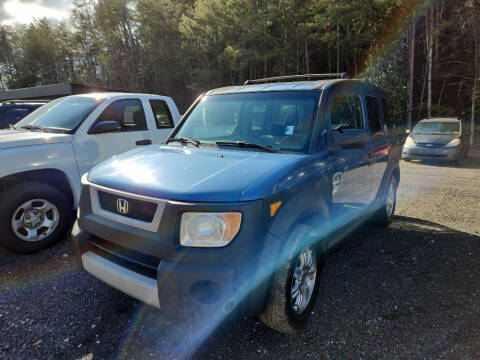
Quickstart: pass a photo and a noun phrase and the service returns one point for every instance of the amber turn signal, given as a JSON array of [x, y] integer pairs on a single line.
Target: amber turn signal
[[274, 208]]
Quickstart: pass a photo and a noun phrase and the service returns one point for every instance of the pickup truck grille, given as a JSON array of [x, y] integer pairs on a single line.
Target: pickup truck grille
[[128, 207]]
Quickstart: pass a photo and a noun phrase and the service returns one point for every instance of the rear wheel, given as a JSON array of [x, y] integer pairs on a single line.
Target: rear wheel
[[33, 216], [293, 292], [385, 214]]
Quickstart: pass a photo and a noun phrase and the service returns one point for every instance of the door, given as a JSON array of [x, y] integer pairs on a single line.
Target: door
[[379, 142], [351, 190], [91, 149]]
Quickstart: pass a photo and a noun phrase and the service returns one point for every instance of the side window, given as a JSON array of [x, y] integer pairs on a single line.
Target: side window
[[163, 118], [373, 110], [129, 114], [387, 118], [347, 111]]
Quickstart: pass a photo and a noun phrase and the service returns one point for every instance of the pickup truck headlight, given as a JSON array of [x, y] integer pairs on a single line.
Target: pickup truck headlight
[[209, 229], [409, 142], [454, 143]]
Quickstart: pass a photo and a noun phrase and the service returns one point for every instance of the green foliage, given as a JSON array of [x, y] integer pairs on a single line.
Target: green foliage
[[183, 47]]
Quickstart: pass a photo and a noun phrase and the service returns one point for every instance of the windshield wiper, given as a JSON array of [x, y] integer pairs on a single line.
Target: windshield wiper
[[184, 140], [42, 129], [246, 144], [34, 128], [12, 127]]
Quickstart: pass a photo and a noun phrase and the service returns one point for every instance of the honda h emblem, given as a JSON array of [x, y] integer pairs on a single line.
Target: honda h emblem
[[122, 206]]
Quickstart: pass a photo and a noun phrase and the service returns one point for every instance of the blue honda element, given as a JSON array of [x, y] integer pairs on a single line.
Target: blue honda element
[[235, 213]]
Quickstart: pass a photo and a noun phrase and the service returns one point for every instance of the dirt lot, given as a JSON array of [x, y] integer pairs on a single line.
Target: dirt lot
[[407, 292]]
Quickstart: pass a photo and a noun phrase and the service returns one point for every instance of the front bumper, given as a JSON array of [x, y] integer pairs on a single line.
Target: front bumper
[[434, 153], [154, 268]]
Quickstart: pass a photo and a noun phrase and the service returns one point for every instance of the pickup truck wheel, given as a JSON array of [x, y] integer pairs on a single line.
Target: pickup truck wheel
[[33, 216], [293, 292]]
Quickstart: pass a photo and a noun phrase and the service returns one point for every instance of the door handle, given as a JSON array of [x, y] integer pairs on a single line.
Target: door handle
[[144, 142]]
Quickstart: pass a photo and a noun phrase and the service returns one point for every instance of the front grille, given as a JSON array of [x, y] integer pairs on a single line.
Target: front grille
[[143, 264], [430, 145], [134, 209]]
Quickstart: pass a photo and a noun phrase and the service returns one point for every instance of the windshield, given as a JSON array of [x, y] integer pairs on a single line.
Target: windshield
[[61, 114], [437, 128], [281, 120]]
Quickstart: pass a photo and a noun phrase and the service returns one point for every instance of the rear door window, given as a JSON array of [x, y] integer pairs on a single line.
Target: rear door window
[[162, 115], [374, 116]]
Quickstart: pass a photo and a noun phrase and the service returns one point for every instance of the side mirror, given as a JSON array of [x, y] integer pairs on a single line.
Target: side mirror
[[407, 131], [105, 127]]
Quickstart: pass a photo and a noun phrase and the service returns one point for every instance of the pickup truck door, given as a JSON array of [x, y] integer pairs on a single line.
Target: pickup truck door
[[350, 148], [91, 149]]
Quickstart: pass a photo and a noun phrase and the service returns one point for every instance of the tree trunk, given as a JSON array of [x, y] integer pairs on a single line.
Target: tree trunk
[[307, 57], [430, 61], [412, 73], [329, 56], [338, 49], [475, 80]]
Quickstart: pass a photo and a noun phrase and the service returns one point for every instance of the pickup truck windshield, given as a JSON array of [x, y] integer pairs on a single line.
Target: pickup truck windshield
[[440, 128], [282, 121], [62, 114]]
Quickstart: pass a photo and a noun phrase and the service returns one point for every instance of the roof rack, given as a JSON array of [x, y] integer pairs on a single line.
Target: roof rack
[[24, 101], [343, 75]]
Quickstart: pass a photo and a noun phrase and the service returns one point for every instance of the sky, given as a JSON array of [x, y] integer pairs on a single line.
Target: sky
[[24, 11]]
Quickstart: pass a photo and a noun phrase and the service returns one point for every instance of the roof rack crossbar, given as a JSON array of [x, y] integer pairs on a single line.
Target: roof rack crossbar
[[24, 101], [297, 77]]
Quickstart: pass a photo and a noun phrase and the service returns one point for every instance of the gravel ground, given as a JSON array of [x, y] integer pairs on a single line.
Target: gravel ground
[[406, 292]]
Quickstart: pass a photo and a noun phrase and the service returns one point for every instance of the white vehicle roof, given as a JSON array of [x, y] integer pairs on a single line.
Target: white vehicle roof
[[111, 95]]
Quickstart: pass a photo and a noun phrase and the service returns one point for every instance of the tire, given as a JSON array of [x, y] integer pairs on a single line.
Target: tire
[[279, 313], [384, 215], [36, 211]]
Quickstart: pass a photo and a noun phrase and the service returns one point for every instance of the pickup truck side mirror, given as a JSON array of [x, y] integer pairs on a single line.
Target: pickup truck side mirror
[[105, 127]]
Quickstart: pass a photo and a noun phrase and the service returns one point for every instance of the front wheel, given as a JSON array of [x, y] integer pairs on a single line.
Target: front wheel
[[293, 292], [33, 216]]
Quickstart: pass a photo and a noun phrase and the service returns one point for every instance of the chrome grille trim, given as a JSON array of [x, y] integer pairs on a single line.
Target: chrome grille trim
[[98, 210]]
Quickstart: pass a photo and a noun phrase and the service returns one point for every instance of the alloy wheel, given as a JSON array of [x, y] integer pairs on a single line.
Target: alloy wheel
[[303, 281], [35, 220]]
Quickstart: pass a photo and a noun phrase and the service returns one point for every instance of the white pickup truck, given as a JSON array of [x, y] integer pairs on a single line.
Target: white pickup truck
[[44, 156]]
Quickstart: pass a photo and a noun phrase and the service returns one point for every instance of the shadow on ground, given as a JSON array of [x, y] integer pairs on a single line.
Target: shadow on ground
[[471, 162], [409, 291]]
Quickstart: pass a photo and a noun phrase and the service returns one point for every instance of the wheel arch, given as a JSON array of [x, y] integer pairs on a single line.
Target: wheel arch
[[54, 177]]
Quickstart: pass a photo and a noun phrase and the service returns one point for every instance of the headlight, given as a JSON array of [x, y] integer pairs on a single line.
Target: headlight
[[209, 229], [454, 143], [409, 142]]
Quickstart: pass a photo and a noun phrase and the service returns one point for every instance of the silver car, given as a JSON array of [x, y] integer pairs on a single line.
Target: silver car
[[437, 139]]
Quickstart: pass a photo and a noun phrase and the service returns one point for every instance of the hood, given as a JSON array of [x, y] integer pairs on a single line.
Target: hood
[[14, 138], [433, 138], [188, 173]]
